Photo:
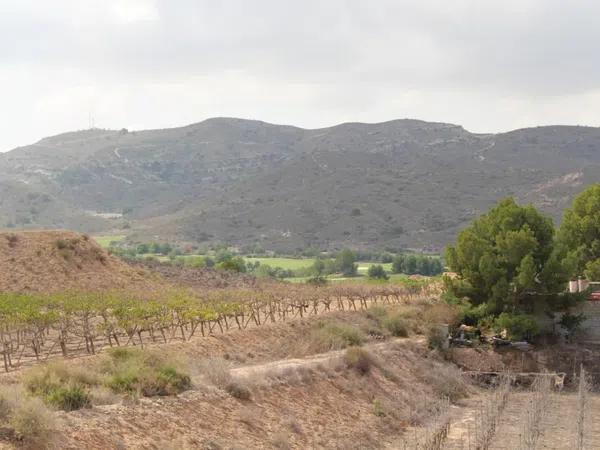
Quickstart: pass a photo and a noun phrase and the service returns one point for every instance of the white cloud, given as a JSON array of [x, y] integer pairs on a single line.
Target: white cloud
[[130, 11], [489, 66]]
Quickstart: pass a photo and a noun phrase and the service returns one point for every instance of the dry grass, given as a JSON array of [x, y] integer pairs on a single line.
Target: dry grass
[[535, 412], [281, 441], [441, 313], [30, 421], [334, 335], [359, 359], [62, 386], [447, 381], [215, 371]]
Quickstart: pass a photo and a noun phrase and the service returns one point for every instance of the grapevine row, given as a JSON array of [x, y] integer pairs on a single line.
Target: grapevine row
[[37, 326]]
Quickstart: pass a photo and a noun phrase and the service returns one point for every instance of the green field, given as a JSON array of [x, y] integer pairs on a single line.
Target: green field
[[363, 267], [284, 263], [300, 263], [105, 239]]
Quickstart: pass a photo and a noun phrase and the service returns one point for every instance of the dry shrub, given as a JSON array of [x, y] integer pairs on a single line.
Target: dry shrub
[[397, 325], [61, 386], [334, 336], [215, 371], [33, 423], [436, 338], [447, 381], [442, 313], [396, 321], [359, 359], [101, 395], [9, 399], [143, 372], [238, 389]]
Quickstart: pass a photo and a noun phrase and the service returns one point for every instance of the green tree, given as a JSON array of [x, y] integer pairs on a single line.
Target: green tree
[[398, 264], [318, 268], [423, 265], [410, 265], [506, 259], [223, 255], [377, 272], [592, 270], [436, 266], [345, 262], [579, 233], [236, 264]]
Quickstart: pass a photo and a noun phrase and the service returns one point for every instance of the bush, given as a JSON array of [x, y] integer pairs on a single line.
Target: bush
[[32, 423], [237, 389], [236, 264], [359, 359], [136, 372], [436, 338], [447, 381], [60, 386], [69, 398], [6, 405], [335, 336], [518, 326], [443, 313], [377, 272], [216, 371], [396, 325], [571, 322]]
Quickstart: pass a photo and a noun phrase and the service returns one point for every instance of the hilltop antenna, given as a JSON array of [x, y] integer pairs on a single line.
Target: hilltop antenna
[[91, 122]]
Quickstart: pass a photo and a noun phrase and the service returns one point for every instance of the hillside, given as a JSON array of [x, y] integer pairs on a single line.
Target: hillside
[[47, 261], [403, 183]]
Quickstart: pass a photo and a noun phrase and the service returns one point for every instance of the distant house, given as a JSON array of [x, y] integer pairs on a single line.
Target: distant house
[[590, 309], [582, 285]]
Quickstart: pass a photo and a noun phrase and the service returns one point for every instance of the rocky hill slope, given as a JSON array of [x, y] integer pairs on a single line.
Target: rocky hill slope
[[403, 183]]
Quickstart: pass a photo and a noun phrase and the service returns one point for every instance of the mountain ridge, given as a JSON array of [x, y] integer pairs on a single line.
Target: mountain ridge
[[399, 183]]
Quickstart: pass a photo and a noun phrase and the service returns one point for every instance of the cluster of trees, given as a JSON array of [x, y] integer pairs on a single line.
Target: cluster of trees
[[511, 263], [344, 263], [377, 272], [417, 264]]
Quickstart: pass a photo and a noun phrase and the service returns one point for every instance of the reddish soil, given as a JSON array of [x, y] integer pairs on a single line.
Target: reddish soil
[[49, 261]]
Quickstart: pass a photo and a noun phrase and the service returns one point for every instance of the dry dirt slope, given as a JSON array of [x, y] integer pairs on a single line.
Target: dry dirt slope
[[315, 402], [47, 261]]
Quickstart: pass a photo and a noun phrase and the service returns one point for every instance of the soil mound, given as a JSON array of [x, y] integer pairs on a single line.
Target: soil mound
[[48, 261]]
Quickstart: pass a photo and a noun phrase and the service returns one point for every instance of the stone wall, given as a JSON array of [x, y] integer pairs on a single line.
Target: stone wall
[[591, 326]]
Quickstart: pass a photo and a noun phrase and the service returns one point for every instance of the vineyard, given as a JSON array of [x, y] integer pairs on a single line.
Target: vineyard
[[36, 327]]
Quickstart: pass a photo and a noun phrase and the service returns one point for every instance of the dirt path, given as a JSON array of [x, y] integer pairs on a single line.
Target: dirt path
[[313, 361], [463, 424], [322, 408]]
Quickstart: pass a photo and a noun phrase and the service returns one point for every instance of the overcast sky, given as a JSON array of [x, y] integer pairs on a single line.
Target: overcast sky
[[485, 64]]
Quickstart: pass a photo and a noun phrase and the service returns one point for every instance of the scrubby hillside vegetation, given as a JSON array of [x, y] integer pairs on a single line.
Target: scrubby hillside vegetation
[[403, 183]]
